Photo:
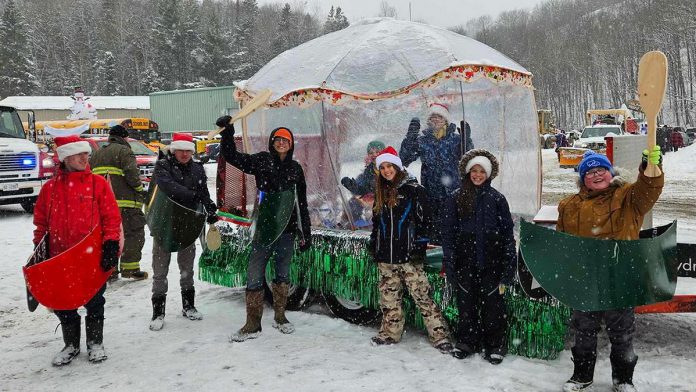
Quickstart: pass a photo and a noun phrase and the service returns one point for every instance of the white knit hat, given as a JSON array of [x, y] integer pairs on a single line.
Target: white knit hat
[[482, 161], [390, 155], [70, 145], [440, 109]]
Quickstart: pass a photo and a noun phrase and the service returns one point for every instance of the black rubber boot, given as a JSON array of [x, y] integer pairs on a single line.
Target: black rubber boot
[[188, 301], [622, 372], [71, 338], [583, 372], [94, 327], [158, 307]]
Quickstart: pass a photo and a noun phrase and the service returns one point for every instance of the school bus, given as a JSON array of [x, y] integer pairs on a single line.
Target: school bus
[[142, 129]]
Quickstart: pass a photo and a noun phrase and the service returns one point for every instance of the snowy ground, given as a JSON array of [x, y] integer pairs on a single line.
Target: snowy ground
[[325, 354]]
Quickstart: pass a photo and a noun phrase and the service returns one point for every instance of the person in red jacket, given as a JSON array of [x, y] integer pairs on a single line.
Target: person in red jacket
[[69, 207]]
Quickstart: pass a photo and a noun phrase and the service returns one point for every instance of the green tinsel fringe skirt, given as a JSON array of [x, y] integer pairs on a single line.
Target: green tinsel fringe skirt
[[338, 264]]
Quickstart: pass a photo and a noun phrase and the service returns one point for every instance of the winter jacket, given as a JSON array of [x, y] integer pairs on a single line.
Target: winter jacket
[[364, 183], [483, 241], [117, 162], [401, 232], [613, 213], [70, 205], [439, 158], [273, 175], [186, 184]]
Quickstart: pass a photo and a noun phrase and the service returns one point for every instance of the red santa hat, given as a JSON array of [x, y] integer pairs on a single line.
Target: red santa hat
[[70, 145], [182, 141], [440, 109], [390, 155]]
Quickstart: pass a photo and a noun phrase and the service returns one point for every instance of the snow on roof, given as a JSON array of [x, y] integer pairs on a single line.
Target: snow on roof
[[66, 103]]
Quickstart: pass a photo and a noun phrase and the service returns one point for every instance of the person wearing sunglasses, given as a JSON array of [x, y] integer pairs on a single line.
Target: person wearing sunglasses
[[608, 207]]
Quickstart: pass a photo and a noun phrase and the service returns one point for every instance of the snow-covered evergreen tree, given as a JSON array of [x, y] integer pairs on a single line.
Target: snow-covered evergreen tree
[[335, 21], [17, 68], [286, 32], [243, 56], [165, 34], [150, 81], [105, 70]]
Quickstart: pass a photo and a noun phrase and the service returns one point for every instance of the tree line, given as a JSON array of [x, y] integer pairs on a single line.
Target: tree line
[[135, 47], [584, 54]]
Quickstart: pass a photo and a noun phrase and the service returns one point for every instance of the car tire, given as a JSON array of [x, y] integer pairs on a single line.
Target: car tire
[[351, 311]]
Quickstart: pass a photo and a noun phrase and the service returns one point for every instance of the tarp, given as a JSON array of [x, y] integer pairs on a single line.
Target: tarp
[[591, 274], [271, 216], [70, 279], [173, 226]]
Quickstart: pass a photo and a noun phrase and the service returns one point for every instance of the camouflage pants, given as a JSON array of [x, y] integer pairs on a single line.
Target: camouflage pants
[[134, 238], [390, 300]]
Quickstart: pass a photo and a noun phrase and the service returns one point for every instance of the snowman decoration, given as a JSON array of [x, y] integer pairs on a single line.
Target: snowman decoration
[[81, 110]]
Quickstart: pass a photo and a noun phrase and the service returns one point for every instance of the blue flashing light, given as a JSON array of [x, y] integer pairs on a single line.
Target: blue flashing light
[[27, 162]]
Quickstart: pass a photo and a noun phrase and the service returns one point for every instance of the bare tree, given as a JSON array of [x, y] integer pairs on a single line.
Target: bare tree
[[386, 10]]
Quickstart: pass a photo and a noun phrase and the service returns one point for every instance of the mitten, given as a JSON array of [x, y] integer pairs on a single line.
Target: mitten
[[109, 255]]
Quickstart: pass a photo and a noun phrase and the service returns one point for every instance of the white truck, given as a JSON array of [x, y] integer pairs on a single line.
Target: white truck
[[23, 167]]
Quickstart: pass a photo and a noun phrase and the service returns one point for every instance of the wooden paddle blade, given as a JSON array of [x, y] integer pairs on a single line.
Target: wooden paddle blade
[[259, 100], [652, 82], [213, 239]]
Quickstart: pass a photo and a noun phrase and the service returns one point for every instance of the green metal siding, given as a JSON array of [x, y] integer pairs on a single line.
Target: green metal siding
[[191, 110]]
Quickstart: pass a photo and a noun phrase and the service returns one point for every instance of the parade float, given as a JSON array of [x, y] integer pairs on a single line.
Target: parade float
[[340, 91]]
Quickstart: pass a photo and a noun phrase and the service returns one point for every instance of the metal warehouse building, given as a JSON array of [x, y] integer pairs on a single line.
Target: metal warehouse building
[[191, 110], [58, 107]]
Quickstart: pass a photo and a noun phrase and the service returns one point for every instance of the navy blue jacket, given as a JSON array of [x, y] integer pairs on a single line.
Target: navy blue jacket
[[400, 233], [364, 183], [485, 240], [439, 158]]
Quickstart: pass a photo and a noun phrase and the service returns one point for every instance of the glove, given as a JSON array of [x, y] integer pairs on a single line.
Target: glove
[[224, 122], [212, 218], [346, 182], [414, 127], [305, 245], [109, 255], [654, 156]]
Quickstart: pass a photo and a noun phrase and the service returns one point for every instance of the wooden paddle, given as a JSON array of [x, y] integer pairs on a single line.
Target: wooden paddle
[[259, 100], [652, 81], [213, 239]]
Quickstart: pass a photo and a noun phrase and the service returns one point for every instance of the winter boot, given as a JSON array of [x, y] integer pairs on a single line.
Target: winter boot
[[158, 305], [622, 373], [280, 301], [254, 312], [113, 277], [71, 338], [135, 274], [445, 347], [583, 373], [463, 350], [187, 300], [381, 340], [95, 336]]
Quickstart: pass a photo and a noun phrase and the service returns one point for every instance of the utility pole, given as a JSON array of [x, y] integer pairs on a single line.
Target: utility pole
[[409, 12]]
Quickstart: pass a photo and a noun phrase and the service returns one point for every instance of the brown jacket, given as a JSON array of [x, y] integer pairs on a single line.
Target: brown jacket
[[613, 213]]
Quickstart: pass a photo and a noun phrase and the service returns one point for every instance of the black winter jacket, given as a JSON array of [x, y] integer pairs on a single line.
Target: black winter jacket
[[186, 184], [400, 233], [482, 242], [272, 175]]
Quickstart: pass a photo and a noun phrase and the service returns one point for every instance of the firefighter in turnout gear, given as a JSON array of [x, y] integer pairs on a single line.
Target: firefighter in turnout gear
[[116, 162]]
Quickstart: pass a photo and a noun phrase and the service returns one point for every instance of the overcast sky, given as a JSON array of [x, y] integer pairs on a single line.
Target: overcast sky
[[444, 13]]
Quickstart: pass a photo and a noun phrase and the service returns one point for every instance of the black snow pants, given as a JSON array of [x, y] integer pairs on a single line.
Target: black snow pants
[[620, 326], [482, 323], [95, 309]]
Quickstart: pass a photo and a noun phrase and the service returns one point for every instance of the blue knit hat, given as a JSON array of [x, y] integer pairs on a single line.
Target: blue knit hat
[[592, 160]]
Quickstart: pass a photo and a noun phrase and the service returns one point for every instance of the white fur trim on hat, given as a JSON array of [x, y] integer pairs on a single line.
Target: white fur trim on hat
[[440, 109], [484, 162], [182, 145], [391, 158], [73, 148]]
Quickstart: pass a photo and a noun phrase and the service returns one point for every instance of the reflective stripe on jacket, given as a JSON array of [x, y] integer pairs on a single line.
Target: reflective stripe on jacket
[[117, 162]]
